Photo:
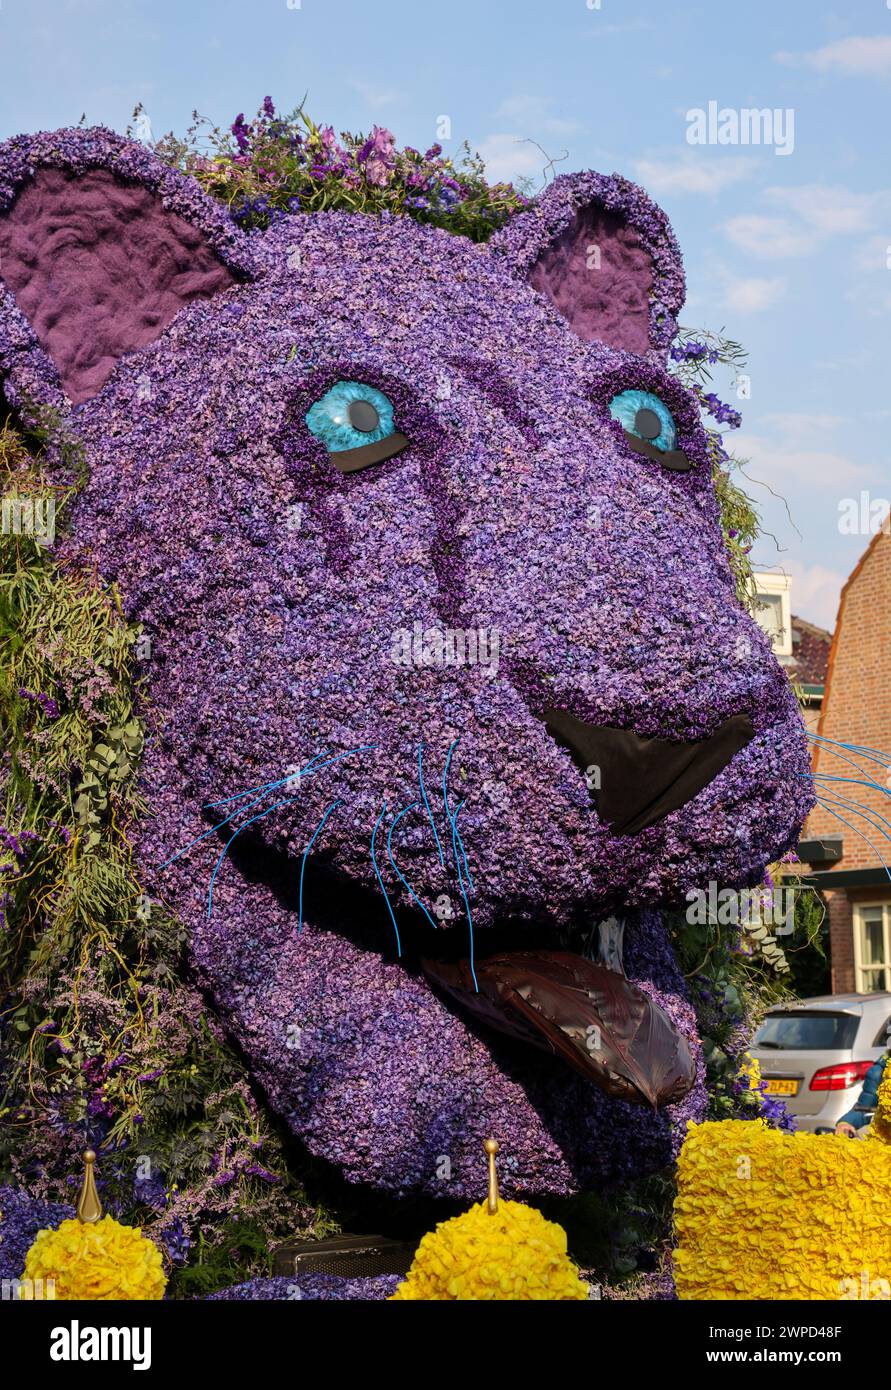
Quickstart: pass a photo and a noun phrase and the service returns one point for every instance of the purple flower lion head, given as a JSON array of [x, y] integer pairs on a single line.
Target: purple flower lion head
[[453, 687]]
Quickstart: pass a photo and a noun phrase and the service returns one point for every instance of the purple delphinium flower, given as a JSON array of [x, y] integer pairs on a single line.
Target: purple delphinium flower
[[254, 1170], [241, 131], [176, 1241]]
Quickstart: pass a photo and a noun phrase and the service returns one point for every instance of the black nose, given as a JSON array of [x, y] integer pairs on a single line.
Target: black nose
[[636, 781]]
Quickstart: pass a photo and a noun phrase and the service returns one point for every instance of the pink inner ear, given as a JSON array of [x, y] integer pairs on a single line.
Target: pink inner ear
[[99, 268], [599, 276]]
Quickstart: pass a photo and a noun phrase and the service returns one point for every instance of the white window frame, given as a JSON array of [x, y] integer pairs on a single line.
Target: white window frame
[[778, 586], [859, 967]]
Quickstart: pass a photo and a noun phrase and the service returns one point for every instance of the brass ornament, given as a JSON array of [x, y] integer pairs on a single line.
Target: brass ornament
[[89, 1207], [492, 1146]]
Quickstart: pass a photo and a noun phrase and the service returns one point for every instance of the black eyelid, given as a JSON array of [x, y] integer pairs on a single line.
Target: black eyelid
[[352, 460], [674, 459]]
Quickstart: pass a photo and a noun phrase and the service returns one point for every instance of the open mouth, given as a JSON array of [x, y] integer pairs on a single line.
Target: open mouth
[[584, 1012], [640, 780]]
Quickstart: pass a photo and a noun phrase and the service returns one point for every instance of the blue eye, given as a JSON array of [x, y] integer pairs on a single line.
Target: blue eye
[[351, 416], [643, 415]]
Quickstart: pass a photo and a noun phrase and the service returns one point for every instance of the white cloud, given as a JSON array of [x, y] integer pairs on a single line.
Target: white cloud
[[751, 296], [534, 113], [768, 237], [802, 425], [797, 451], [510, 157], [813, 469], [806, 217], [375, 96], [855, 56], [815, 592], [692, 174], [874, 254], [831, 211]]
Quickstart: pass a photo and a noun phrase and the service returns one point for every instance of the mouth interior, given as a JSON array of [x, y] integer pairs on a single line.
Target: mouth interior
[[584, 1013], [641, 780]]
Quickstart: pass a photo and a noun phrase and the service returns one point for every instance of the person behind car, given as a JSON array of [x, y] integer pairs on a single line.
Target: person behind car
[[868, 1099]]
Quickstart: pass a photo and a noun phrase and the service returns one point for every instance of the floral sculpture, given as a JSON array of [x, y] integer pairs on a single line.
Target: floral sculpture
[[495, 1251], [738, 1183], [92, 1256], [450, 687]]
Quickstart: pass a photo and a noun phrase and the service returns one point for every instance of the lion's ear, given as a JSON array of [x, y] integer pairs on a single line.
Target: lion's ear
[[605, 256], [101, 245]]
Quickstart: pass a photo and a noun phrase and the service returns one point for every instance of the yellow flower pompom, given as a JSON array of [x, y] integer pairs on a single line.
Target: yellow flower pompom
[[512, 1253], [760, 1214], [96, 1260]]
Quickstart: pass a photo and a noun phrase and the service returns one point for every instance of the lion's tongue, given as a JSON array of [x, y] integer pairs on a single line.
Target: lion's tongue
[[600, 1023]]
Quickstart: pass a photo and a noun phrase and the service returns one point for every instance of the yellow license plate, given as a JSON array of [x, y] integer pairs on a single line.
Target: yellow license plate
[[776, 1087]]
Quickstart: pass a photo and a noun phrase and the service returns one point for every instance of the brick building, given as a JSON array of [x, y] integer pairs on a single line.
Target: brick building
[[844, 847]]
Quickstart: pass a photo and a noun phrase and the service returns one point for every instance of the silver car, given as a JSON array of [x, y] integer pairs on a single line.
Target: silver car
[[815, 1053]]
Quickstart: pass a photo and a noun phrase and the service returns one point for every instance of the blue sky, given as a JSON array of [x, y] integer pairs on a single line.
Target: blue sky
[[790, 253]]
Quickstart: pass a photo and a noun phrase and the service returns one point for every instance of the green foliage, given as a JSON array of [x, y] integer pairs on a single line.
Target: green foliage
[[278, 165], [740, 521], [693, 357], [241, 1252], [808, 956], [102, 1040], [620, 1231]]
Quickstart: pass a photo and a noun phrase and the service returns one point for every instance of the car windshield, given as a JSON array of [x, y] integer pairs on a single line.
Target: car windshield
[[808, 1031]]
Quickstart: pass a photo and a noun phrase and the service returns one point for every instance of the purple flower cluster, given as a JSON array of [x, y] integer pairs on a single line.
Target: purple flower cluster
[[272, 586], [18, 845], [719, 410], [694, 352], [21, 1217], [326, 1288], [49, 706]]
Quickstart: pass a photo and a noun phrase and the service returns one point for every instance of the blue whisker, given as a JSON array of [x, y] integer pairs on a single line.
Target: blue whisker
[[854, 765], [381, 881], [305, 771], [265, 786], [396, 821], [873, 754], [287, 802], [827, 807], [854, 781], [318, 828], [456, 846], [840, 798]]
